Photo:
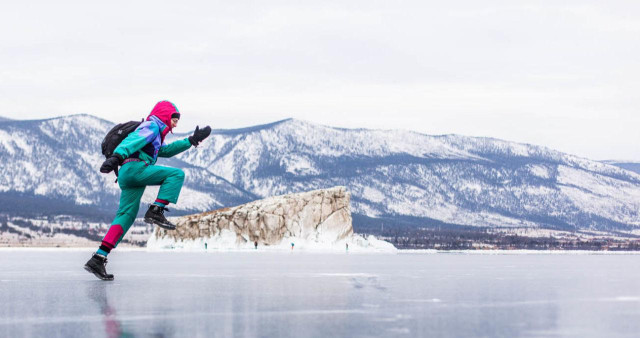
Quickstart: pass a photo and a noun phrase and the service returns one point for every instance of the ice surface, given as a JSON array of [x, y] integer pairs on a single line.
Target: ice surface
[[268, 294]]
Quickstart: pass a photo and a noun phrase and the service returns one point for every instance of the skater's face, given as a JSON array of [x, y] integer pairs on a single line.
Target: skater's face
[[174, 122]]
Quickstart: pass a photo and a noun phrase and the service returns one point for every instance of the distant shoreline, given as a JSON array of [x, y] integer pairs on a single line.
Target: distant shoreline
[[400, 252]]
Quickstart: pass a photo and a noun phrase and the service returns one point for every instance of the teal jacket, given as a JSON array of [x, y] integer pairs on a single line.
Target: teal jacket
[[147, 144]]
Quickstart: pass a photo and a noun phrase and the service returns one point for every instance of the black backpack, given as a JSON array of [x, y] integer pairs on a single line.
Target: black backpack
[[116, 135]]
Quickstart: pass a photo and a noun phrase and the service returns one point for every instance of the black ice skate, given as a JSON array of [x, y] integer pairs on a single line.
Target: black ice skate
[[97, 266], [155, 215]]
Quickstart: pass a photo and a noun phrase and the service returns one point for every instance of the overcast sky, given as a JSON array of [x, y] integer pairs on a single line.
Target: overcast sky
[[563, 74]]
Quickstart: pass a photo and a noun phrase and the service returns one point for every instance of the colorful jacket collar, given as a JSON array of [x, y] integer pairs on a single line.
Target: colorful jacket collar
[[164, 129]]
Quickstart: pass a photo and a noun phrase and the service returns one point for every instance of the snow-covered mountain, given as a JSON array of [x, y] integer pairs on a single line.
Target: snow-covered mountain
[[52, 166], [402, 175], [395, 177]]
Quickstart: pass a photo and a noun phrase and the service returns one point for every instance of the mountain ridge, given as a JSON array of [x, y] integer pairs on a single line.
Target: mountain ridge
[[393, 175]]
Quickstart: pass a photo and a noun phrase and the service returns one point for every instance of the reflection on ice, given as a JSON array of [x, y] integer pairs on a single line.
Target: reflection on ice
[[98, 293]]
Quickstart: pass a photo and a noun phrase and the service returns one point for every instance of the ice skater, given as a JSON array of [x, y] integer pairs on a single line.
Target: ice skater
[[137, 154]]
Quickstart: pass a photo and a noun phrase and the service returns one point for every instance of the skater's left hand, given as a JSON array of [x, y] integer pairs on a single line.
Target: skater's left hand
[[199, 135], [111, 164]]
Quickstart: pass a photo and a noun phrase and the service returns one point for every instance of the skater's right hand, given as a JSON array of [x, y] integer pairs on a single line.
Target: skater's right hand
[[111, 164], [199, 135]]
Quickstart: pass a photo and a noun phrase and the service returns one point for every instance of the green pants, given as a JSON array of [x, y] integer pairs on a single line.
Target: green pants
[[133, 178]]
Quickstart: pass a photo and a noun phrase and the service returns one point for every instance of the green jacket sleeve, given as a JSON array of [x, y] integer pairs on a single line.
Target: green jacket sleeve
[[175, 148], [137, 139]]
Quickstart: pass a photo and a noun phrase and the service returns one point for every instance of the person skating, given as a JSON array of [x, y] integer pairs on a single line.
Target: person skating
[[137, 154]]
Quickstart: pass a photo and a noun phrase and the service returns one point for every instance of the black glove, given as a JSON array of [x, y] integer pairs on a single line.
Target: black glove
[[111, 163], [199, 135]]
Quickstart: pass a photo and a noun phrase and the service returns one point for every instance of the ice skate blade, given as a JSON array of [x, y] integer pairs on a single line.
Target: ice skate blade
[[97, 275]]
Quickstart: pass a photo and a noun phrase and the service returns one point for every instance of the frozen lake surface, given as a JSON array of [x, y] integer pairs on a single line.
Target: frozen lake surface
[[267, 294]]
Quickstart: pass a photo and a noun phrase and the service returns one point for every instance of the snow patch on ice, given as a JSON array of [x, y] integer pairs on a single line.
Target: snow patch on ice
[[227, 240], [627, 299]]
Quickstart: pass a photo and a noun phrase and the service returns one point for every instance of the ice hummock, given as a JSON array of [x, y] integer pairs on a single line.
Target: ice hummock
[[226, 240]]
